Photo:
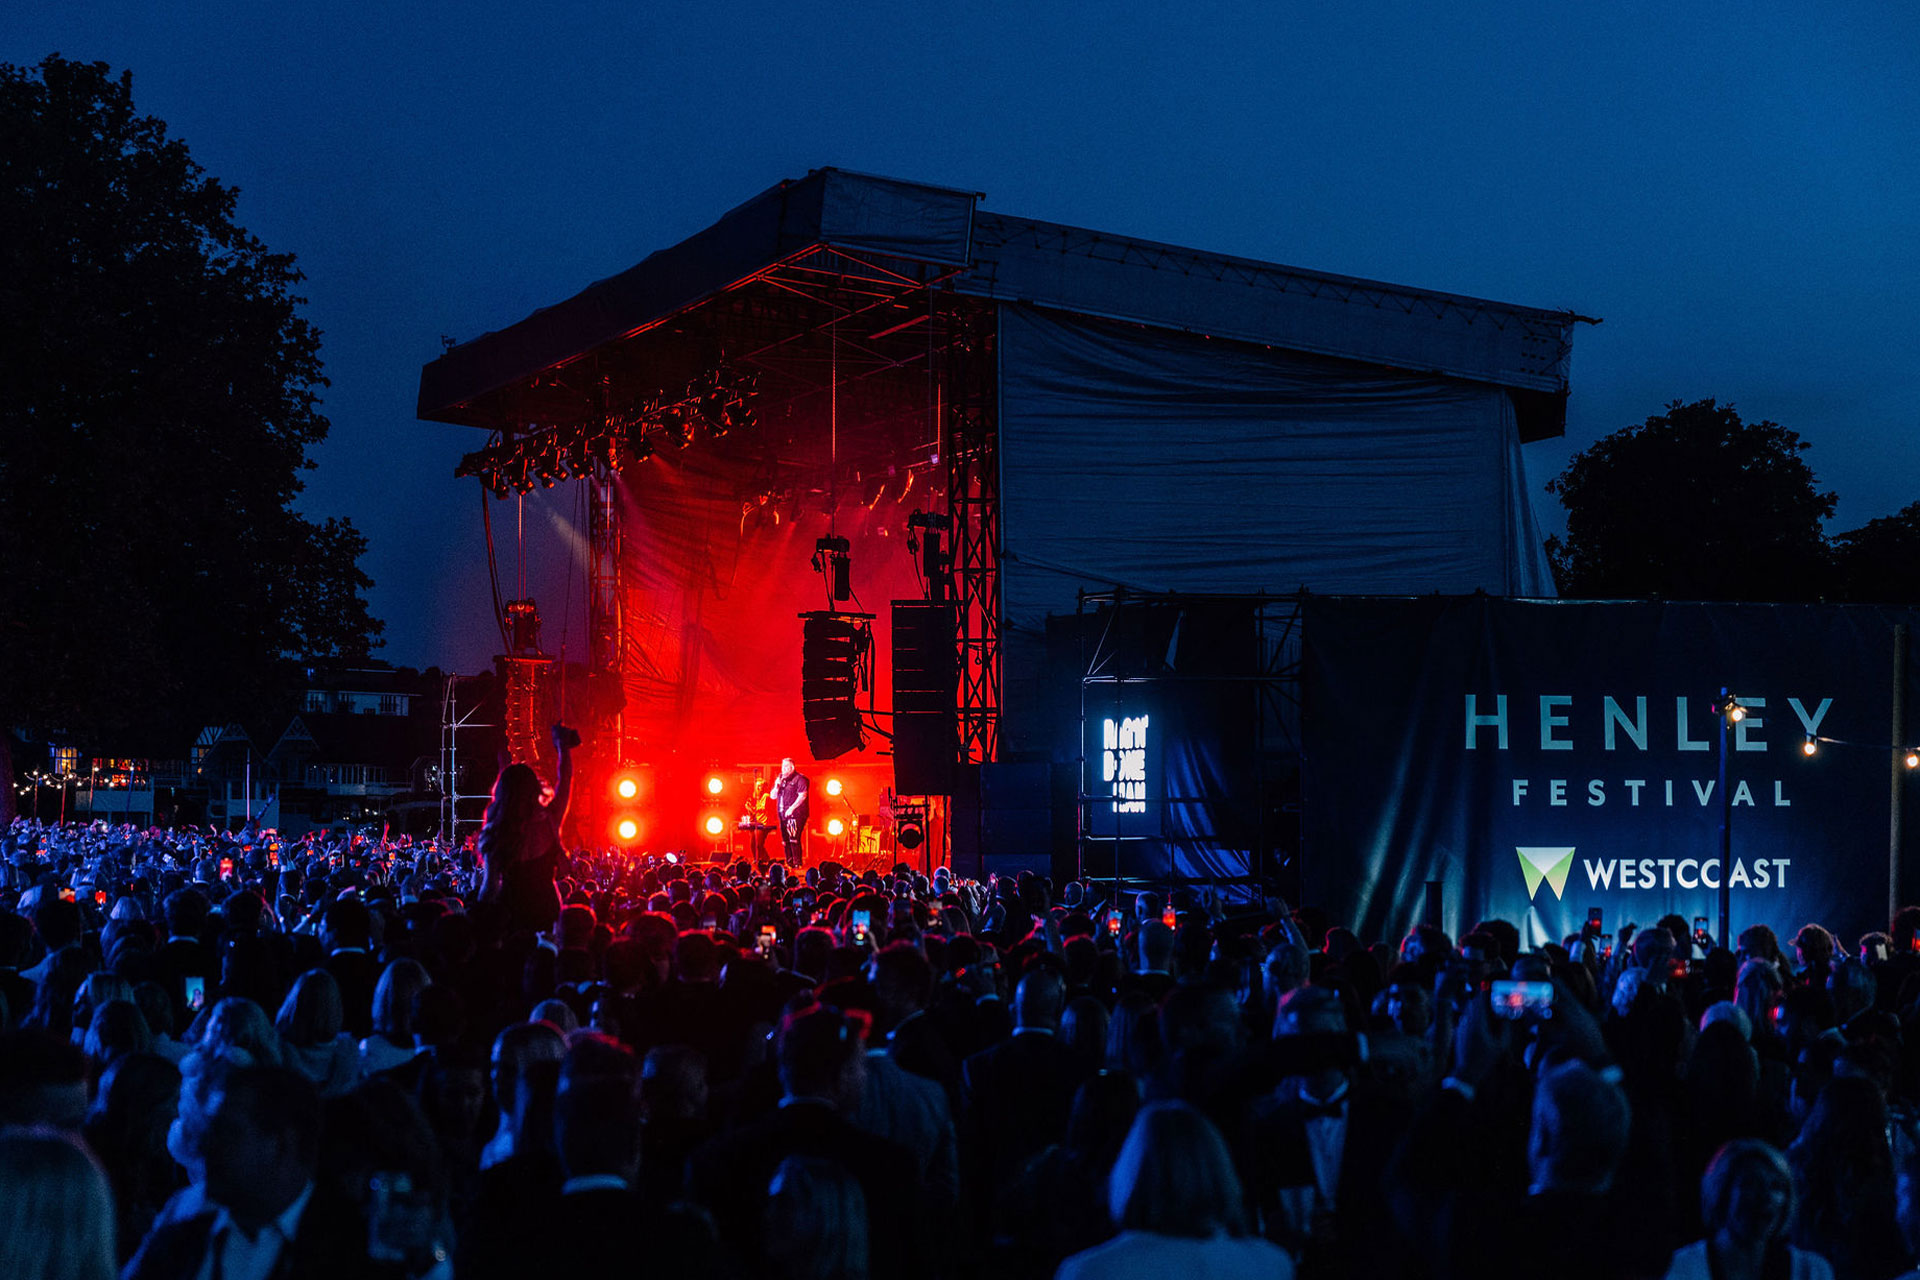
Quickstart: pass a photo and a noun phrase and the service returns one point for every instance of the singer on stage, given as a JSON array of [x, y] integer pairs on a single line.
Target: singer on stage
[[790, 804]]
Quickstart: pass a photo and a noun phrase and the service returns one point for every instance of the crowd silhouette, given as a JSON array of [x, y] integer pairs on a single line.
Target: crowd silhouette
[[228, 1055]]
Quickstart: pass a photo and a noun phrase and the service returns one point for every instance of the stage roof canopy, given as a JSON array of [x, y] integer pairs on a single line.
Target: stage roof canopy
[[910, 237]]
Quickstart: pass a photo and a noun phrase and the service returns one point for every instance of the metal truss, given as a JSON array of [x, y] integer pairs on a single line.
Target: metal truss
[[1273, 678], [972, 454], [604, 629]]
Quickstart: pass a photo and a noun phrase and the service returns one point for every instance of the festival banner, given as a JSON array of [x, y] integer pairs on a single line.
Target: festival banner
[[1543, 758]]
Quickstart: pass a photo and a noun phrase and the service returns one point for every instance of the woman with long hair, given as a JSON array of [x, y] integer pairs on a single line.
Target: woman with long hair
[[520, 840], [127, 1131], [1844, 1183], [311, 1038], [392, 1043]]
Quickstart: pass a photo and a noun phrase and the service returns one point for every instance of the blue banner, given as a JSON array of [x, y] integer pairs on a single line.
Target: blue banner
[[1541, 758]]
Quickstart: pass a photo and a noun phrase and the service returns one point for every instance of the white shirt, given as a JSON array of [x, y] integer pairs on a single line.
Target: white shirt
[[241, 1257], [1327, 1147], [593, 1182], [1327, 1142], [500, 1146]]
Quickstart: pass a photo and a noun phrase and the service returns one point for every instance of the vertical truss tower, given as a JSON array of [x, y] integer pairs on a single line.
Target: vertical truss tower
[[972, 449]]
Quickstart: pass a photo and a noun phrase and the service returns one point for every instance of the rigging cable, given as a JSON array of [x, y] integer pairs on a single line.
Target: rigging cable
[[493, 570]]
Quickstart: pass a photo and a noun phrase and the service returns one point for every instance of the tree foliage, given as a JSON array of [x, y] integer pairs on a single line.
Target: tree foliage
[[1693, 504], [161, 393], [1879, 563]]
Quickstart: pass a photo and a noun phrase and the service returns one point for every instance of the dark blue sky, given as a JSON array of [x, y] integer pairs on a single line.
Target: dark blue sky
[[1735, 188]]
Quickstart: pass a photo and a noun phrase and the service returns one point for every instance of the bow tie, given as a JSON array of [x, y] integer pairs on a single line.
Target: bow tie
[[1334, 1110]]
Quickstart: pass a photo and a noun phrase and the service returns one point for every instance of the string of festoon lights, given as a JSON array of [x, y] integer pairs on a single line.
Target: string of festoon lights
[[1735, 712]]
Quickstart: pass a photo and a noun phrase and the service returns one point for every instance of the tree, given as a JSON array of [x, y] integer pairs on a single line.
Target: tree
[[160, 394], [1693, 504], [1879, 563]]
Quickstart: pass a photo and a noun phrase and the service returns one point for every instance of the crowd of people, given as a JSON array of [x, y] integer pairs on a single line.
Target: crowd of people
[[230, 1055]]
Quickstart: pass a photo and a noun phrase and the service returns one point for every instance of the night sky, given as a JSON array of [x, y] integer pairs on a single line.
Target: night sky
[[1735, 188]]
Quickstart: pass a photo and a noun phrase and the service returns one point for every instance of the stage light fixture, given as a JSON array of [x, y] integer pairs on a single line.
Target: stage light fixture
[[909, 827], [833, 787], [716, 825], [626, 788], [1913, 760], [1811, 745], [714, 785], [836, 827], [628, 829]]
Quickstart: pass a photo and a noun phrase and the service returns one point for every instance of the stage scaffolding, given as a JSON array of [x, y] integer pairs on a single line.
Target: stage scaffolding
[[972, 455], [605, 636], [1270, 847]]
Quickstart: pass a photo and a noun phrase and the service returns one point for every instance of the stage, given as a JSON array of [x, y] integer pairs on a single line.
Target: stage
[[852, 394]]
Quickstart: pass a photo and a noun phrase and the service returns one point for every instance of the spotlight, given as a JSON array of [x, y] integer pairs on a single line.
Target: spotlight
[[909, 829], [1733, 711], [1913, 760], [626, 788], [835, 827], [833, 787], [628, 829], [714, 785], [715, 825], [1811, 745]]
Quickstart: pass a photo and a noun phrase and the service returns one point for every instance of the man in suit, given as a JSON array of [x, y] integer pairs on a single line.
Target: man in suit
[[1019, 1093], [822, 1064], [1155, 977], [1567, 1224], [1321, 1143], [347, 934], [267, 1218], [184, 954], [589, 1227], [902, 981]]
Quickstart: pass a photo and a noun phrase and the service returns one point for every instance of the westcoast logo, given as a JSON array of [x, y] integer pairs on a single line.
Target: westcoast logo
[[1538, 863], [1552, 865]]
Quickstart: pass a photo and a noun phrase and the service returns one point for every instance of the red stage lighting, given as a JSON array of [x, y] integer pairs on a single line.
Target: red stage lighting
[[716, 825], [627, 829], [626, 788], [715, 785], [835, 826], [833, 787]]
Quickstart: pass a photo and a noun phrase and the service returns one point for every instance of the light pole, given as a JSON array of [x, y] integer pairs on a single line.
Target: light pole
[[1731, 713]]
